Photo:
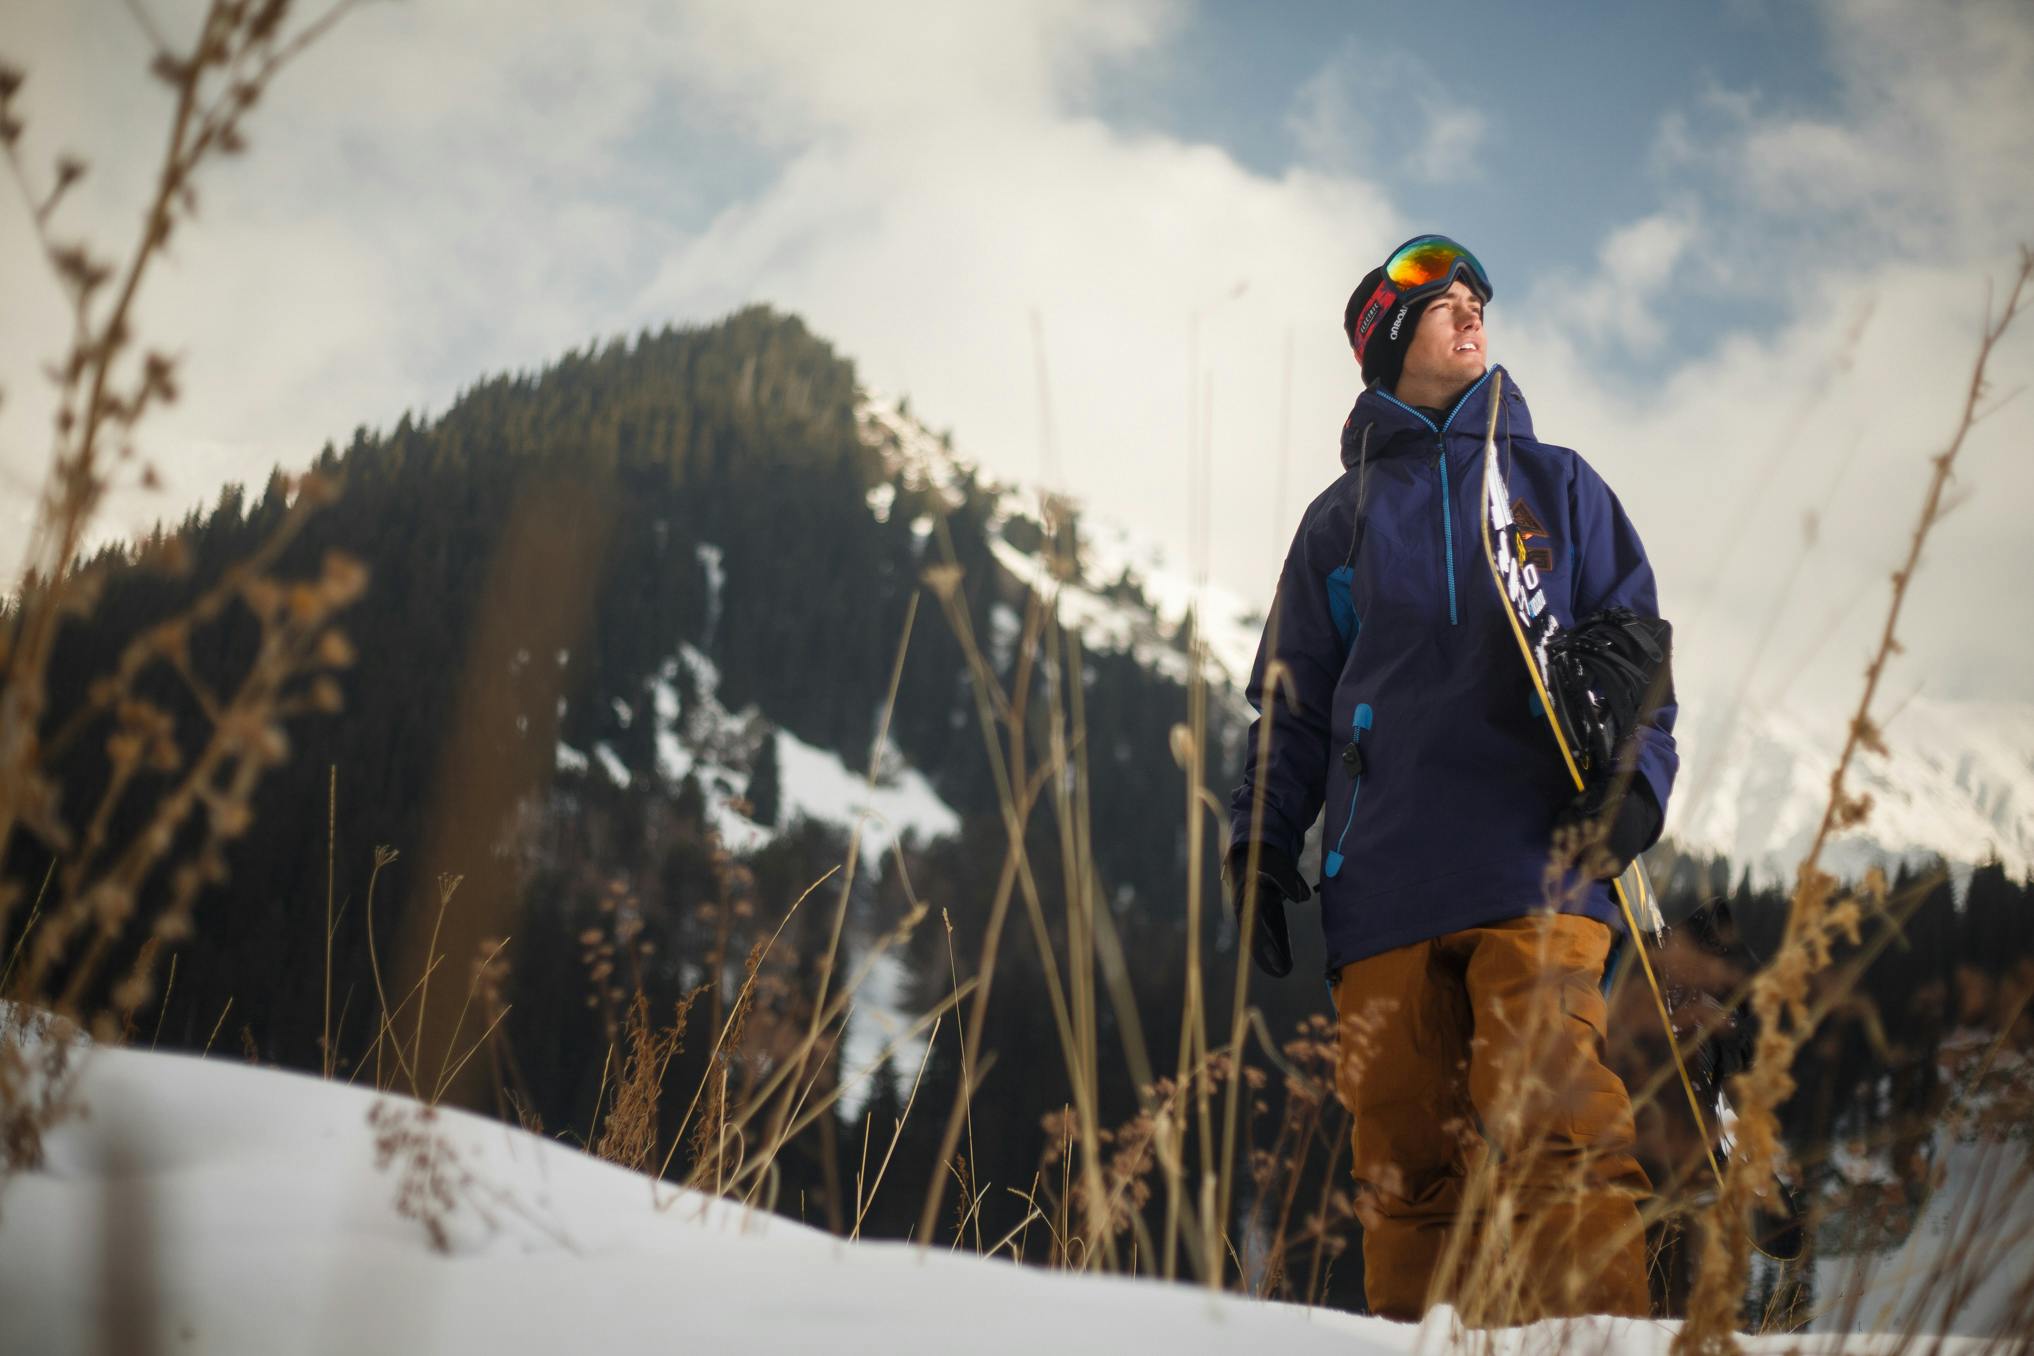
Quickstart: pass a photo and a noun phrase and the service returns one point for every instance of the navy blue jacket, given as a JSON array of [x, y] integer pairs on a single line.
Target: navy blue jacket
[[1389, 629]]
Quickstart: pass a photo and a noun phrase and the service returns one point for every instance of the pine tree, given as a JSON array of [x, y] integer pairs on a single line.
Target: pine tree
[[765, 790]]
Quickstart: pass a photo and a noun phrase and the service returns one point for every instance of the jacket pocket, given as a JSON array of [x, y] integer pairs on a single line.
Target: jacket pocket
[[1352, 762]]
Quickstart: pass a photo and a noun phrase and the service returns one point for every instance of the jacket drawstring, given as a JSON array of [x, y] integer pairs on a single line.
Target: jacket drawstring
[[1362, 492]]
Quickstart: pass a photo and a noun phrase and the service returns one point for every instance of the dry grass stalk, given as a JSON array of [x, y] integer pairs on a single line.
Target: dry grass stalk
[[326, 1051], [896, 1133], [716, 1137], [383, 857], [189, 783], [1312, 1117], [630, 1137], [784, 1094], [1018, 792], [489, 974], [1819, 914], [1009, 728], [787, 1091], [971, 1196]]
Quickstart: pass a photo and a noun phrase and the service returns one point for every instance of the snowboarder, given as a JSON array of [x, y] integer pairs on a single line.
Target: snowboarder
[[1465, 949]]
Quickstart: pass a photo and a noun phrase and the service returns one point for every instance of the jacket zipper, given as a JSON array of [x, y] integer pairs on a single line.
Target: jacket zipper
[[1447, 495], [1448, 529], [1352, 758]]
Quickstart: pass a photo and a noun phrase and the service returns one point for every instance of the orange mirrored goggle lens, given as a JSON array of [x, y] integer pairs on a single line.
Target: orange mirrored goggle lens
[[1431, 259]]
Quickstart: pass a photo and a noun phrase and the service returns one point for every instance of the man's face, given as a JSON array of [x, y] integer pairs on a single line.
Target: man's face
[[1448, 346]]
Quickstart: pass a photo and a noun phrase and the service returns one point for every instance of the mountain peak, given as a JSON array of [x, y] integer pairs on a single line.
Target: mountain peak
[[1121, 594], [1956, 782]]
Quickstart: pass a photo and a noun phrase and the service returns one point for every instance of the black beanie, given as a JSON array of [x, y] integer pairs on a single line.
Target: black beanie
[[1383, 355], [1381, 319]]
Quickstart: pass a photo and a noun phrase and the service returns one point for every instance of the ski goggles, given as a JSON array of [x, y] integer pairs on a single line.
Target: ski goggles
[[1421, 266]]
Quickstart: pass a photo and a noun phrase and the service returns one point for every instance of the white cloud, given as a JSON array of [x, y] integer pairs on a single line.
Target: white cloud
[[444, 191], [1925, 154], [1876, 229], [1618, 300], [1409, 124], [433, 192], [793, 70], [1454, 138]]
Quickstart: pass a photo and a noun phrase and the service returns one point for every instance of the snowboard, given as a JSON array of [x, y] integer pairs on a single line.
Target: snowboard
[[1533, 624], [1523, 601]]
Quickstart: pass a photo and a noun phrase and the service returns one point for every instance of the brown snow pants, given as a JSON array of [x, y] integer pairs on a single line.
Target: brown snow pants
[[1472, 1067]]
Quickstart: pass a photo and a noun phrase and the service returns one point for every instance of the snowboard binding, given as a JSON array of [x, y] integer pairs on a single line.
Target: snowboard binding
[[1607, 674], [1727, 1039]]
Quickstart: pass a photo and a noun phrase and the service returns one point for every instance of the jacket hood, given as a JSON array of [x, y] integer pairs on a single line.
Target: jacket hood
[[1393, 427]]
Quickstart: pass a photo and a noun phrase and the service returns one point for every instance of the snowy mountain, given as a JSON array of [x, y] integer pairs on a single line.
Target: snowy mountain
[[1957, 782], [1122, 595]]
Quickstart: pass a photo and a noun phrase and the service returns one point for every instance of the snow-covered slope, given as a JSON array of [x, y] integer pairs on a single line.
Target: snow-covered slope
[[1108, 617], [1982, 1215], [720, 749], [1957, 782], [207, 1206]]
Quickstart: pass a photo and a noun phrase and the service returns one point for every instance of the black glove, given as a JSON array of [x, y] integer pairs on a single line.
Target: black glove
[[1611, 834], [1278, 881]]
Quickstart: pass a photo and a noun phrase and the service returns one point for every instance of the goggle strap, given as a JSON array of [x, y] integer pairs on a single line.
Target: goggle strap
[[1374, 311]]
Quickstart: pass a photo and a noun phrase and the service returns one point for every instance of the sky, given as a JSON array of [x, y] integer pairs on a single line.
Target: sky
[[1740, 255]]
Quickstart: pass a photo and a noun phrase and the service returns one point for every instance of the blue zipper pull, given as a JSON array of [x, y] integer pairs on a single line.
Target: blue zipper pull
[[1352, 759]]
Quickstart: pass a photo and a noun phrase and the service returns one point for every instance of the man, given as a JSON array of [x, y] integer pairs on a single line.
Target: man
[[1466, 970]]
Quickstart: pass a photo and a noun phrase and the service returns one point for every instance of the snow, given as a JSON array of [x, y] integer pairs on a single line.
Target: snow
[[713, 560], [1958, 784], [1228, 625], [910, 451], [1117, 626], [718, 747], [611, 763], [878, 1024], [709, 743], [819, 786], [880, 499], [1984, 1203], [924, 462], [204, 1205], [1006, 628], [1105, 625]]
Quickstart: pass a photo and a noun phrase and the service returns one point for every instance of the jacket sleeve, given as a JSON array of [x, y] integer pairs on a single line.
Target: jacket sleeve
[[1285, 757], [1612, 571]]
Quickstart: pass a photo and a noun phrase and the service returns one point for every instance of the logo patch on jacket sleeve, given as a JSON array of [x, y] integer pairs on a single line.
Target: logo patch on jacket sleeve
[[1535, 546]]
